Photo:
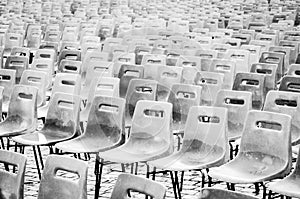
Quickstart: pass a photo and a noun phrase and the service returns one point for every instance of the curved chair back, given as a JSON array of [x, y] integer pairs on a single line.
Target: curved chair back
[[273, 58], [294, 70], [240, 57], [238, 103], [272, 75], [45, 65], [127, 182], [211, 83], [12, 184], [286, 103], [213, 193], [70, 66], [290, 83], [272, 131], [67, 83], [228, 68], [55, 185], [139, 89], [127, 73], [18, 63], [37, 79], [74, 55], [254, 83], [7, 81]]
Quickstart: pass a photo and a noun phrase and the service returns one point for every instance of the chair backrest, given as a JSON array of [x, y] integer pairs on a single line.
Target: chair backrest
[[46, 54], [12, 184], [63, 114], [45, 65], [286, 103], [294, 70], [74, 55], [122, 58], [37, 79], [126, 74], [206, 127], [56, 184], [273, 58], [151, 120], [7, 81], [241, 59], [211, 83], [184, 96], [270, 71], [290, 83], [294, 46], [169, 75], [228, 68], [18, 63], [254, 53], [287, 58], [23, 104], [213, 193], [107, 118], [139, 89], [67, 83], [127, 182], [272, 131], [70, 66], [238, 103], [20, 51], [252, 82]]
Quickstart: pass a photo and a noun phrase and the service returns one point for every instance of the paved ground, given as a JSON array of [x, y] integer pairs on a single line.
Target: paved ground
[[192, 180]]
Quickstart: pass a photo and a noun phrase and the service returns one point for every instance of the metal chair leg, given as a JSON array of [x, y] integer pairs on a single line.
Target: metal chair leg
[[37, 162], [177, 184], [41, 156], [174, 185], [98, 173]]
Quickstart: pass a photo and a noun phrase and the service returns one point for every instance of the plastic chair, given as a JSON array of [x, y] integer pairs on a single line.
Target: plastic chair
[[12, 184], [37, 79], [287, 59], [104, 86], [254, 83], [240, 57], [126, 74], [56, 184], [271, 72], [289, 83], [150, 138], [294, 70], [126, 182], [205, 142], [138, 89], [273, 58], [7, 81], [121, 58], [286, 103], [227, 67], [18, 63], [74, 55], [254, 53], [238, 103], [151, 64], [105, 127], [262, 159], [22, 112], [214, 193], [294, 46], [69, 66], [183, 97], [44, 65], [211, 83]]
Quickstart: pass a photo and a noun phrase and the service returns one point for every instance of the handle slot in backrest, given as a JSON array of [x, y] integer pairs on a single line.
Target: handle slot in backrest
[[285, 102], [71, 56], [5, 77], [45, 55], [97, 58], [232, 43], [67, 175], [265, 39], [206, 55], [34, 79], [208, 119], [252, 51], [25, 96], [65, 104], [234, 101], [272, 59], [109, 108], [173, 55], [101, 68], [42, 66], [13, 38], [297, 72], [252, 82], [169, 74], [189, 63], [237, 56], [208, 81], [16, 62], [105, 86], [203, 42], [68, 82], [154, 113], [264, 71], [144, 89], [134, 73], [186, 95], [280, 51], [70, 67], [294, 87], [124, 59], [268, 125], [221, 49]]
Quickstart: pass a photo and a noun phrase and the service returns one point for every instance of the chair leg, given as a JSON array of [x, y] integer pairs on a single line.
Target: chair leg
[[231, 150], [209, 178], [181, 180], [153, 173], [174, 185], [41, 156], [177, 184], [136, 168], [37, 162], [202, 179], [2, 144], [98, 173]]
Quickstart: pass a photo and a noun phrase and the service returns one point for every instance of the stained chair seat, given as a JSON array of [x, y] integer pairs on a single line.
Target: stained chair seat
[[15, 125], [88, 144], [139, 149], [249, 168], [44, 137], [289, 186], [190, 160]]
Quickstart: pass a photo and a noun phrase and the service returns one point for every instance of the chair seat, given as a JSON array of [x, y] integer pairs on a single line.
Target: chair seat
[[87, 144], [190, 160], [14, 126], [44, 137], [139, 149], [289, 186], [249, 168]]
